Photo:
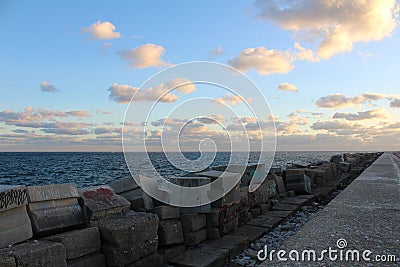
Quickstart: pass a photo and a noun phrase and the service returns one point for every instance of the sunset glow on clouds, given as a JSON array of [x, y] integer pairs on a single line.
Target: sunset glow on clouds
[[328, 68]]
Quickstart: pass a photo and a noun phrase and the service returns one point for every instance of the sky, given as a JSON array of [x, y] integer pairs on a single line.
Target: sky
[[328, 70]]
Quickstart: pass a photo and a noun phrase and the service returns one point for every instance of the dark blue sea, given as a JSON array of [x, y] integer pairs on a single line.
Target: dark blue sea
[[96, 168]]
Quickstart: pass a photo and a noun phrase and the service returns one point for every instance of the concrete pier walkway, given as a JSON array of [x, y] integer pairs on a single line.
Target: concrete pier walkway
[[364, 217]]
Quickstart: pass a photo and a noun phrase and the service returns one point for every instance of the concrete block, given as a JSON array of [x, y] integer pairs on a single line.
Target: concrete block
[[266, 221], [92, 260], [265, 207], [170, 252], [170, 232], [251, 232], [300, 184], [78, 243], [345, 166], [193, 222], [235, 244], [202, 202], [12, 196], [7, 261], [15, 226], [337, 158], [280, 185], [130, 190], [255, 212], [229, 226], [38, 254], [154, 260], [127, 237], [194, 238], [51, 192], [202, 257], [212, 233], [166, 212], [267, 190], [101, 201]]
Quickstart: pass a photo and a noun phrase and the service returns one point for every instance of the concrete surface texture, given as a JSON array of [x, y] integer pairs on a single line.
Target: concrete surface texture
[[365, 216]]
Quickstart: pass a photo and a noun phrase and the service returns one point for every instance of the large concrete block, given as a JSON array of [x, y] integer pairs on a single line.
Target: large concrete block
[[195, 238], [92, 260], [54, 208], [78, 243], [38, 254], [154, 260], [15, 224], [170, 232], [267, 190], [202, 204], [302, 184], [193, 222], [166, 212], [170, 252], [101, 201], [202, 257], [127, 237], [130, 190]]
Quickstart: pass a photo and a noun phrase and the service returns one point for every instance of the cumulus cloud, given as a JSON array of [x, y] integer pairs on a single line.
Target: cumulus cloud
[[264, 61], [334, 125], [336, 24], [145, 56], [102, 31], [287, 87], [340, 101], [48, 87], [395, 103], [362, 115], [217, 52], [123, 94], [229, 99]]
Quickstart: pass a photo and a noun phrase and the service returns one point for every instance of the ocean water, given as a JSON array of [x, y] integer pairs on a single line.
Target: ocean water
[[96, 168]]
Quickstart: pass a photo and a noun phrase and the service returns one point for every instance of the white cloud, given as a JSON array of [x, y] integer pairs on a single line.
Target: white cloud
[[48, 87], [264, 61], [340, 101], [287, 87], [362, 115], [102, 31], [229, 99], [336, 24], [145, 56], [123, 93], [395, 103], [217, 52]]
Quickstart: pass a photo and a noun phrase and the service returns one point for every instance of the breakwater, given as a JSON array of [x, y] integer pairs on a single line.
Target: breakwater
[[120, 225]]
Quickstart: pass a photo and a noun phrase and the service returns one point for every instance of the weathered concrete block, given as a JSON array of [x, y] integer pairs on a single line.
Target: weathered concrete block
[[267, 190], [280, 185], [15, 224], [170, 252], [101, 201], [301, 185], [130, 190], [154, 260], [202, 202], [127, 237], [212, 233], [255, 212], [235, 244], [266, 207], [170, 232], [337, 158], [54, 208], [7, 261], [229, 226], [166, 212], [194, 238], [251, 232], [38, 254], [92, 260], [202, 257], [316, 175], [345, 166], [193, 222], [78, 243]]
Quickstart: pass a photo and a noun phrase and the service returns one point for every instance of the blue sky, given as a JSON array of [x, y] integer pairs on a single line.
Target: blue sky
[[47, 43]]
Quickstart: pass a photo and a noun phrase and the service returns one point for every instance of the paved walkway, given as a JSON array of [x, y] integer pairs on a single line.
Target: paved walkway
[[365, 216]]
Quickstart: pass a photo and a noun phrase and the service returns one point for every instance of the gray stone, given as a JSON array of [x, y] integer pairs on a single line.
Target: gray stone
[[92, 260], [193, 222], [55, 220], [212, 233], [251, 232], [154, 260], [287, 207], [170, 232], [166, 212], [12, 196], [101, 201], [128, 237], [202, 257], [51, 192], [38, 254], [280, 185], [170, 252], [6, 261], [195, 238], [265, 221], [235, 244], [15, 226], [79, 243]]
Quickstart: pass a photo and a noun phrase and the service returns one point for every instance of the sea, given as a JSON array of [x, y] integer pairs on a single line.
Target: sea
[[98, 168]]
